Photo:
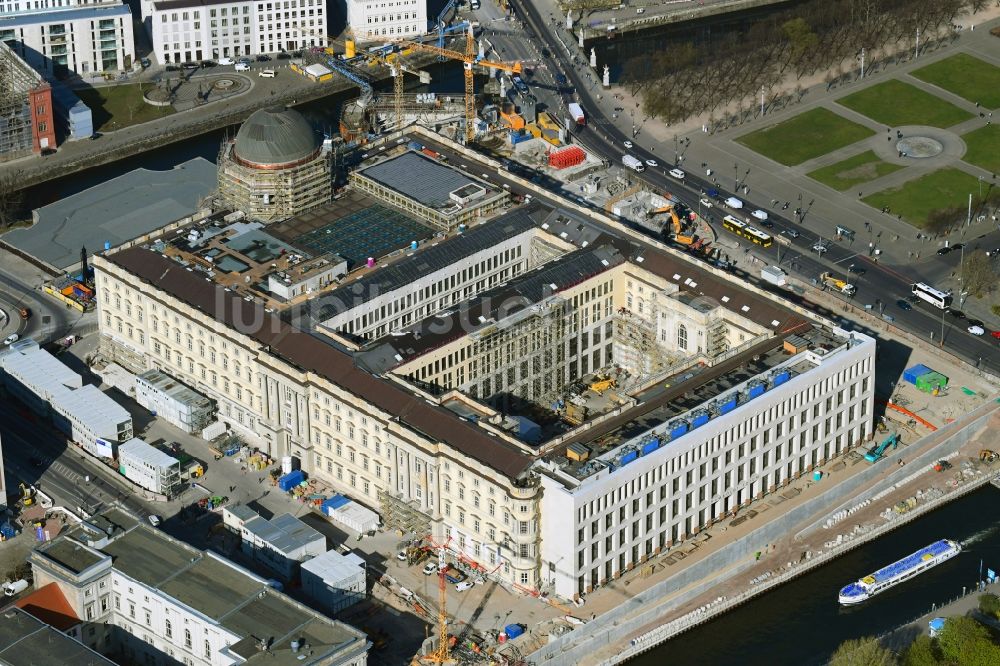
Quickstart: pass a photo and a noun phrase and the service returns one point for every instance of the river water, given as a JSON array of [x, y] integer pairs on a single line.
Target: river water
[[801, 623]]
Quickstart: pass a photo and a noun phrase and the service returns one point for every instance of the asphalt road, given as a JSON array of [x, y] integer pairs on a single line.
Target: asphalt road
[[881, 286]]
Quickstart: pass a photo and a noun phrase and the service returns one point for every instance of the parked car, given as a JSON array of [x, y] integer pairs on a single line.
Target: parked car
[[11, 339], [173, 68], [464, 585], [628, 144], [996, 334], [430, 568], [995, 252], [267, 73], [677, 173], [401, 556], [226, 61], [652, 163], [12, 588], [244, 60], [283, 56], [242, 67], [976, 322], [205, 64], [154, 520], [191, 65], [263, 58], [976, 330]]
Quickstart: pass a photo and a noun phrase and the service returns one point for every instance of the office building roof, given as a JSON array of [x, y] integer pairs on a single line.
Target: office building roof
[[35, 366], [175, 390], [333, 566], [439, 256], [139, 451], [64, 15], [284, 533], [308, 352], [71, 555], [92, 407], [418, 177], [27, 641]]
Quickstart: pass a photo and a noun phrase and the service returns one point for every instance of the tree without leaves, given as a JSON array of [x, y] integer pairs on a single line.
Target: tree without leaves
[[11, 199], [979, 278], [862, 652]]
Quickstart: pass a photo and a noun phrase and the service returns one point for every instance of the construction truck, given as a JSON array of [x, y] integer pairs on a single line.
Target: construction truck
[[633, 163], [835, 282], [27, 495], [602, 383]]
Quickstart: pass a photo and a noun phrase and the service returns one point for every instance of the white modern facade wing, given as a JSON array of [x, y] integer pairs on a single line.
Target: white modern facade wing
[[664, 486], [194, 30], [56, 36], [373, 20]]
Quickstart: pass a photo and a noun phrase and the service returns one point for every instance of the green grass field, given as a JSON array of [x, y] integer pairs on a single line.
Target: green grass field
[[915, 199], [805, 136], [967, 77], [895, 103], [983, 147], [858, 169], [115, 107]]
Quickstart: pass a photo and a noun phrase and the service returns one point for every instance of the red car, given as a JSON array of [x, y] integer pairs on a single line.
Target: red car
[[996, 334]]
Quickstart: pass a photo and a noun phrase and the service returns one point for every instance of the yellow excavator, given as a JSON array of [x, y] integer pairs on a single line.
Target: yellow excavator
[[27, 495], [602, 383], [675, 220]]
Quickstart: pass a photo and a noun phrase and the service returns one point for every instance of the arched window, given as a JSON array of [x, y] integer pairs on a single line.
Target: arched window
[[682, 337]]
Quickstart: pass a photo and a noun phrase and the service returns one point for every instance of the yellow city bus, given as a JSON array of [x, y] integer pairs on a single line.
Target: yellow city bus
[[741, 228]]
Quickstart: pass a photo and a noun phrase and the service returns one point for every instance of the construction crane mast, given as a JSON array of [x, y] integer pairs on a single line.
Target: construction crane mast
[[469, 60], [441, 654]]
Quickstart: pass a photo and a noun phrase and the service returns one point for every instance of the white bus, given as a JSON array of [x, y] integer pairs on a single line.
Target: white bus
[[938, 299]]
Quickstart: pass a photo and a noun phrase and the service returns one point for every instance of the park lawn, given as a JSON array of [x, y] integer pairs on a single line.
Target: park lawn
[[982, 148], [895, 103], [966, 76], [111, 106], [913, 200], [854, 170], [805, 136]]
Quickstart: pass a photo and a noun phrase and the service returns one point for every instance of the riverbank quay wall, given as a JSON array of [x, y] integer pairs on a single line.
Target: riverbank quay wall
[[615, 626]]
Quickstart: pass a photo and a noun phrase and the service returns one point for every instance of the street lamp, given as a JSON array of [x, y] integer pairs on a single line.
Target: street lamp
[[736, 175]]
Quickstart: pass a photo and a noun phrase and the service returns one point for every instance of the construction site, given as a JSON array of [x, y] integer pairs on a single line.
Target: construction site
[[26, 118]]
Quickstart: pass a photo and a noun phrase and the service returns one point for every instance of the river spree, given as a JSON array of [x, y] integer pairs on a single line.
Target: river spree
[[802, 623]]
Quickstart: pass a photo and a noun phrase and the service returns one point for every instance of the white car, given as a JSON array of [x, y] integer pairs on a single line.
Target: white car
[[976, 330], [677, 173], [652, 163], [628, 144], [242, 67], [430, 568], [707, 203], [266, 73], [820, 248], [464, 585], [401, 556], [11, 339], [154, 520], [759, 214], [226, 61]]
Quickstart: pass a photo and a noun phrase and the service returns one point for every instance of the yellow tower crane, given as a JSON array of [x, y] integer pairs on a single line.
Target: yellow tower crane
[[469, 59], [441, 654]]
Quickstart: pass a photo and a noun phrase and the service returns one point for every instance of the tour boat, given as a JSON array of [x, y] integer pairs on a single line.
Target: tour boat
[[897, 572]]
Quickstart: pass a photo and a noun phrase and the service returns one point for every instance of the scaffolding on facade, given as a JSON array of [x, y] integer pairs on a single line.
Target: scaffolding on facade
[[402, 515], [16, 79], [718, 338], [636, 347], [525, 352]]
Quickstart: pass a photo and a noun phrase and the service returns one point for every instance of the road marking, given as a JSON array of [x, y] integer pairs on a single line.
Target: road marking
[[847, 258]]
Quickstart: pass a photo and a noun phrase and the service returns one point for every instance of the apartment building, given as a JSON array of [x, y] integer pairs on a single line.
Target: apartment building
[[293, 394], [374, 20], [194, 30], [149, 598], [60, 36]]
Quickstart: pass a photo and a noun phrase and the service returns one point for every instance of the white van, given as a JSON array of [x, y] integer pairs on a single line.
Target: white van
[[640, 10], [733, 202], [12, 588], [266, 73], [242, 67]]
